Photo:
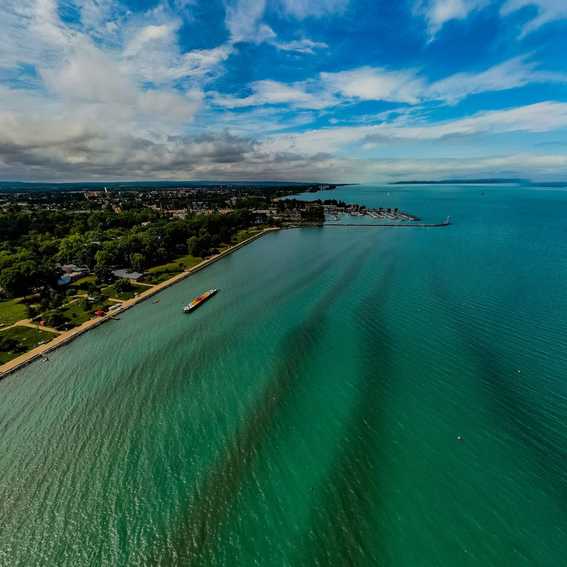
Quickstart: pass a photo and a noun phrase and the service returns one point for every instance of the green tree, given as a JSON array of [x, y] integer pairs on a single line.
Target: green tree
[[9, 344], [71, 248], [20, 278], [55, 319], [102, 267], [137, 262], [103, 274], [11, 281], [123, 285], [193, 246], [205, 243]]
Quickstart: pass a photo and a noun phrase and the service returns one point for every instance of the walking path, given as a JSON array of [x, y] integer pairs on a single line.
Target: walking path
[[68, 336], [30, 323]]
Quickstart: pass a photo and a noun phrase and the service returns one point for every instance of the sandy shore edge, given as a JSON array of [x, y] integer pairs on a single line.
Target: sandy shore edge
[[68, 336]]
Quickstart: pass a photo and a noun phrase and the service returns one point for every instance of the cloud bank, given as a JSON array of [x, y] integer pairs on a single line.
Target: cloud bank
[[99, 90]]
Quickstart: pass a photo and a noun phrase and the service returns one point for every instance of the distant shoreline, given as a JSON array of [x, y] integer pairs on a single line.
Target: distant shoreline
[[462, 182], [69, 336], [30, 187]]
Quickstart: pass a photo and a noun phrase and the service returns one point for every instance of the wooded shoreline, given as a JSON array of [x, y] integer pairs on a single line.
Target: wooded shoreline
[[69, 336]]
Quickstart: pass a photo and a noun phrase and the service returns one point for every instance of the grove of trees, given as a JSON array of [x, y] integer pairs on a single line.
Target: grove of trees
[[34, 243]]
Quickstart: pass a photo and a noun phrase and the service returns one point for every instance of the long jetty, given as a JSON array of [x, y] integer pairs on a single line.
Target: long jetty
[[385, 225]]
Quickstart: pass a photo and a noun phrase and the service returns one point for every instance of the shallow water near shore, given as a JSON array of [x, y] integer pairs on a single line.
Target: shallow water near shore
[[309, 414]]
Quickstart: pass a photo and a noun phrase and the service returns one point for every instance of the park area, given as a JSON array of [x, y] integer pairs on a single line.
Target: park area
[[12, 311], [17, 340], [82, 300], [159, 274]]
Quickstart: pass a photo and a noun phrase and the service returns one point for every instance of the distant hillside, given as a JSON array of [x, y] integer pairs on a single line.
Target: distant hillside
[[491, 181]]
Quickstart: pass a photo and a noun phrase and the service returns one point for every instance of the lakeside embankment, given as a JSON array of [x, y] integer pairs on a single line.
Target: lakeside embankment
[[68, 336]]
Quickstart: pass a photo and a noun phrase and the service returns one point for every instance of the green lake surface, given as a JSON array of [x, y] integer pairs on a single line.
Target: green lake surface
[[352, 396]]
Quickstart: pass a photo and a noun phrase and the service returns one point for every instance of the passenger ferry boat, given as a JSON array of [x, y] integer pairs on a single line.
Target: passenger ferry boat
[[199, 300]]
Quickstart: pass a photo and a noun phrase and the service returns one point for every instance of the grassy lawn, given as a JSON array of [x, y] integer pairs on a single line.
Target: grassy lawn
[[84, 283], [159, 274], [12, 311], [101, 305], [160, 277], [244, 234], [76, 314], [111, 291], [26, 337], [183, 263]]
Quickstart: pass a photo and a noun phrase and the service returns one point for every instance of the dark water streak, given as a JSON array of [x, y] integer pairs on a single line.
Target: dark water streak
[[213, 499], [510, 406], [217, 344], [104, 399], [340, 528], [159, 394]]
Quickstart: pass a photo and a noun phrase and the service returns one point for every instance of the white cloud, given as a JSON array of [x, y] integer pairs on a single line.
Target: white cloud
[[101, 18], [89, 75], [547, 11], [148, 35], [51, 135], [203, 62], [370, 83], [244, 21], [96, 101], [53, 140], [535, 118], [146, 46], [331, 89], [46, 23], [269, 92], [404, 86], [30, 32], [316, 8], [115, 95], [305, 46], [249, 122], [153, 55], [170, 106], [516, 72], [506, 166], [438, 12]]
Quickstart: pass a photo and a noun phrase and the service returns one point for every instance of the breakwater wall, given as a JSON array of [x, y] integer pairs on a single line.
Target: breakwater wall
[[385, 225]]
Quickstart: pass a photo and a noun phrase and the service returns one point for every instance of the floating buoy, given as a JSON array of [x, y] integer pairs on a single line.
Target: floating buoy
[[459, 438]]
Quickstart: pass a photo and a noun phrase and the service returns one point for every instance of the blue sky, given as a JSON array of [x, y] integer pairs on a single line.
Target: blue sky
[[329, 90]]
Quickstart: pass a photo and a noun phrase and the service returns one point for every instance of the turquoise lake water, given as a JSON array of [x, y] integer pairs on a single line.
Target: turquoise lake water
[[310, 414]]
